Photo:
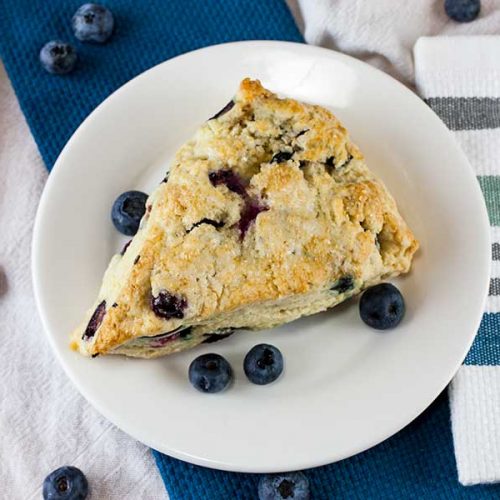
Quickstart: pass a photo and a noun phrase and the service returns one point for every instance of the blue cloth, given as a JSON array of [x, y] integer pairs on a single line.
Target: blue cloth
[[147, 33], [416, 463]]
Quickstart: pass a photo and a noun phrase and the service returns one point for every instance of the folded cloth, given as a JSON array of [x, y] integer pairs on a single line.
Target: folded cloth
[[460, 79], [384, 32]]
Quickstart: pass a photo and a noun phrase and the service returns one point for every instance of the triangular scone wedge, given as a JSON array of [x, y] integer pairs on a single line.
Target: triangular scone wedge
[[268, 214]]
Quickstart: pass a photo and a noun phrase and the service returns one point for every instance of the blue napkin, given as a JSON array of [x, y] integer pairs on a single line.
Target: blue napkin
[[416, 463]]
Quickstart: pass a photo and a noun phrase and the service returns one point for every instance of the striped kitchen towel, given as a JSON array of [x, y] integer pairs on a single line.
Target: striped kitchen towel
[[459, 77]]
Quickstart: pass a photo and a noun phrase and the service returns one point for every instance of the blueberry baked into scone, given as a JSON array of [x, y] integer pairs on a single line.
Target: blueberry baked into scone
[[268, 213]]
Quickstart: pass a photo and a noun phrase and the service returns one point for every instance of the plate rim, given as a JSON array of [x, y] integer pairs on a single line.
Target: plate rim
[[59, 165]]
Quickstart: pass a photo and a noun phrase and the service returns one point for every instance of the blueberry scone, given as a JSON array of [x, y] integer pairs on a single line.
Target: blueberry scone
[[268, 213]]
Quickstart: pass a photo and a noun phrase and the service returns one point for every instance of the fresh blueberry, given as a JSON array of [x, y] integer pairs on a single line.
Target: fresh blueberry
[[58, 57], [263, 364], [210, 373], [167, 305], [128, 210], [93, 23], [65, 483], [382, 306], [293, 485], [462, 11]]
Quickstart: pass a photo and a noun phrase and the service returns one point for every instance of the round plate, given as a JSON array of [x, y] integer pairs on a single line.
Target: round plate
[[345, 387]]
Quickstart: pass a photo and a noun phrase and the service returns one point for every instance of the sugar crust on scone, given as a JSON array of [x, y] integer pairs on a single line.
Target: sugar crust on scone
[[323, 228]]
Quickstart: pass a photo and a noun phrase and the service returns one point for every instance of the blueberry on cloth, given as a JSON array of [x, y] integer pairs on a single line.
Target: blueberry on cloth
[[210, 373], [65, 483], [128, 210], [462, 11], [293, 486], [382, 306], [93, 23], [58, 57], [263, 364]]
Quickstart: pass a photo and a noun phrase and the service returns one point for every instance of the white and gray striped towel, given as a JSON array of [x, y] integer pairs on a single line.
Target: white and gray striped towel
[[459, 77]]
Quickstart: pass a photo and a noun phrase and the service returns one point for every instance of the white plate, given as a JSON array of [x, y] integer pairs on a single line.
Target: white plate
[[346, 387]]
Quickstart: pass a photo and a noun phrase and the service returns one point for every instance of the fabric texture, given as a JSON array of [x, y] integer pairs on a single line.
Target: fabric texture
[[145, 35], [383, 32], [460, 79], [44, 423]]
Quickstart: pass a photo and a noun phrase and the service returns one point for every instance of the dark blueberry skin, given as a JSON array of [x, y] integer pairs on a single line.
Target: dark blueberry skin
[[216, 336], [281, 157], [128, 210], [293, 486], [210, 373], [228, 107], [343, 285], [382, 306], [95, 321], [210, 222], [230, 179], [93, 23], [251, 210], [65, 483], [167, 305], [263, 364], [462, 11], [58, 57]]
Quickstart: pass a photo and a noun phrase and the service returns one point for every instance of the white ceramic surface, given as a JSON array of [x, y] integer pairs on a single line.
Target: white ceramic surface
[[346, 387]]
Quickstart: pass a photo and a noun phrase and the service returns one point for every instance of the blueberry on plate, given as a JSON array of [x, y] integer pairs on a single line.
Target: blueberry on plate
[[65, 483], [462, 11], [210, 373], [58, 57], [293, 485], [128, 210], [382, 306], [263, 364], [93, 23]]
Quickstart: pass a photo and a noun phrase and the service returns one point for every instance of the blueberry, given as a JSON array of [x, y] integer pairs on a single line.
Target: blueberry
[[462, 11], [93, 23], [65, 483], [95, 321], [58, 57], [210, 373], [251, 210], [281, 157], [344, 284], [382, 306], [210, 222], [228, 107], [128, 210], [223, 333], [293, 485], [230, 179], [263, 364], [167, 305]]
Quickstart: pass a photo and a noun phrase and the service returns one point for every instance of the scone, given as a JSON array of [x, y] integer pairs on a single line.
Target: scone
[[268, 213]]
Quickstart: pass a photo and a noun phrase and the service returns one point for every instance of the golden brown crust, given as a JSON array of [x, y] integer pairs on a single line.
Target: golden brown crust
[[324, 217]]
